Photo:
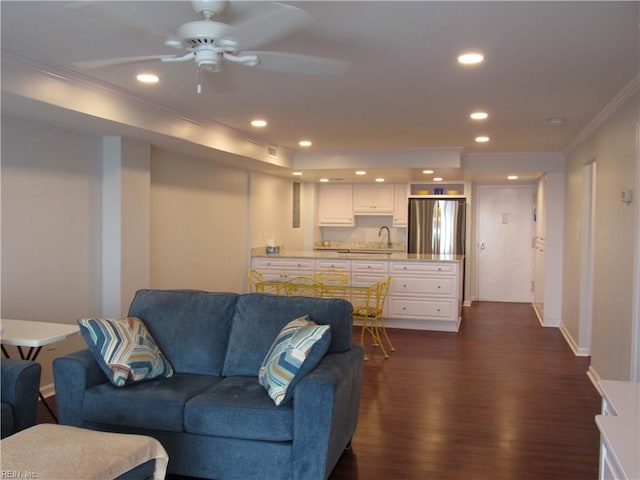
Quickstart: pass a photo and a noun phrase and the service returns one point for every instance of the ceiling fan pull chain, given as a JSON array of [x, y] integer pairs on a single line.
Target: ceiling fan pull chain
[[199, 89]]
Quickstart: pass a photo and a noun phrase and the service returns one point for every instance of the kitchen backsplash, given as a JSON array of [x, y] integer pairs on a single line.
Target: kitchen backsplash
[[327, 244]]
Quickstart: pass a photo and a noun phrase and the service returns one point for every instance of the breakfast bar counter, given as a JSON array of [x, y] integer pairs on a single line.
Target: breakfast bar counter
[[425, 292], [358, 254]]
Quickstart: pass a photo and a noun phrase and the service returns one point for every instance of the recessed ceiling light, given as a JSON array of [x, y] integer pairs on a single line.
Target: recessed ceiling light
[[258, 122], [324, 180], [305, 143], [479, 115], [470, 58], [512, 177], [360, 172], [428, 172], [147, 78], [379, 179], [297, 174], [437, 179], [482, 139]]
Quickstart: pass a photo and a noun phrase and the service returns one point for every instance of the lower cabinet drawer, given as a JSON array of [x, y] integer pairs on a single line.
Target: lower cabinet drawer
[[330, 264], [262, 263], [422, 309], [443, 286]]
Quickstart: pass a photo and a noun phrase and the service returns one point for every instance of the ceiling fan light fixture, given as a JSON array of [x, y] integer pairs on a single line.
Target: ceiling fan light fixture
[[305, 143], [482, 139], [259, 123]]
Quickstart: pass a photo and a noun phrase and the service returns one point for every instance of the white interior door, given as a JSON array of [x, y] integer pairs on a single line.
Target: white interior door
[[505, 243]]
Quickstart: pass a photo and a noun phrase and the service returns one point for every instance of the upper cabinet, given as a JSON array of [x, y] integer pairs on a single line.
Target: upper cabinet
[[335, 205], [373, 199], [401, 208]]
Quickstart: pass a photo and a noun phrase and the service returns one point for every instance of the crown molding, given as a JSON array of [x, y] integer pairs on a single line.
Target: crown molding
[[625, 94]]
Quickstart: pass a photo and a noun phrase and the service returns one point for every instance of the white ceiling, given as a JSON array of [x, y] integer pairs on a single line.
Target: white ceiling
[[403, 89]]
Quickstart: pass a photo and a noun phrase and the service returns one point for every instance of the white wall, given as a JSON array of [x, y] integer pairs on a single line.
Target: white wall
[[181, 223], [612, 146], [271, 212], [51, 196], [198, 224]]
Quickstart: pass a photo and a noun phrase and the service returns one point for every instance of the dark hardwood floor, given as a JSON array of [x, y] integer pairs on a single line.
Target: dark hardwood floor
[[502, 399]]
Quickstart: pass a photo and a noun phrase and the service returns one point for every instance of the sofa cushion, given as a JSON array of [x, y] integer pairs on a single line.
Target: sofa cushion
[[297, 349], [191, 327], [238, 407], [156, 404], [124, 349], [259, 317]]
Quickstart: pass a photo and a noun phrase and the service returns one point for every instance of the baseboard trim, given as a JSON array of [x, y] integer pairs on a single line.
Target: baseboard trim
[[48, 390], [595, 378], [577, 350], [536, 309]]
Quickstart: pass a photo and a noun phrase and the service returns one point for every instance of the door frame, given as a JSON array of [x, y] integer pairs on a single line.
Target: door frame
[[587, 221]]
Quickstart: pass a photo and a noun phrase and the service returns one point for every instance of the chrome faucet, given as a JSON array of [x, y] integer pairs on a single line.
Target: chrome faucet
[[384, 227]]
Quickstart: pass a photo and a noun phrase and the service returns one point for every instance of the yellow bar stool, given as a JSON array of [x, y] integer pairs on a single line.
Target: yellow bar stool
[[369, 308]]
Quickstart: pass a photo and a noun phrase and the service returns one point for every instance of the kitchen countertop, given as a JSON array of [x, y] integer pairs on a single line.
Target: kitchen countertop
[[396, 256]]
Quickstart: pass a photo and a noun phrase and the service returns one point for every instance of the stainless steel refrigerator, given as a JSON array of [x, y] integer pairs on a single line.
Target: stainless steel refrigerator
[[437, 226]]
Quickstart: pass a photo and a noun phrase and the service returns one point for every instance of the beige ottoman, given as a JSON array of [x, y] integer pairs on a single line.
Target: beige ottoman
[[59, 452]]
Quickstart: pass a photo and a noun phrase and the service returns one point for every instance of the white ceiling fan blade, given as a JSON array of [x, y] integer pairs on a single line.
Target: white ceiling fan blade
[[296, 63], [109, 62], [280, 21]]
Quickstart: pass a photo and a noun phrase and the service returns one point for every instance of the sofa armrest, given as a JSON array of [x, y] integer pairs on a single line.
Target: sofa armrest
[[73, 374], [20, 387], [325, 413]]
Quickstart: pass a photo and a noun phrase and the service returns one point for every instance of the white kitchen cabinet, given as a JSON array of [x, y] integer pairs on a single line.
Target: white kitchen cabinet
[[283, 269], [333, 264], [335, 205], [426, 291], [401, 206], [373, 199], [370, 271], [423, 295]]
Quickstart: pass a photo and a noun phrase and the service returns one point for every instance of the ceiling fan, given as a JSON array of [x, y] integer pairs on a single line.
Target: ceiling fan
[[210, 42]]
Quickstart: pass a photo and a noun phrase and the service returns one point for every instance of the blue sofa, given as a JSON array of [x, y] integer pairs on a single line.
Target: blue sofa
[[20, 386], [212, 416]]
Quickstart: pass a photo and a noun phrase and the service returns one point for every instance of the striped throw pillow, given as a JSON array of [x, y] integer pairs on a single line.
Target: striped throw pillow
[[125, 350], [296, 351]]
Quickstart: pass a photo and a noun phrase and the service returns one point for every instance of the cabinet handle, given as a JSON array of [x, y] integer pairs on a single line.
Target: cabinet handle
[[439, 269], [404, 268], [404, 286], [438, 286], [404, 308]]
